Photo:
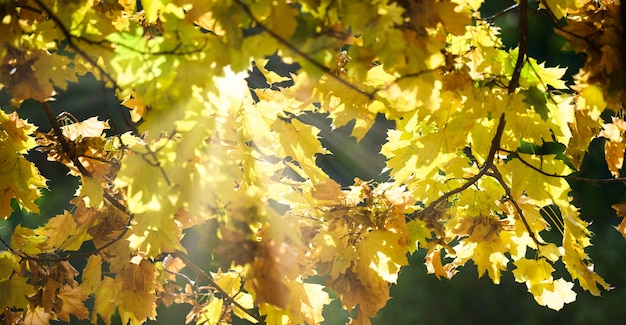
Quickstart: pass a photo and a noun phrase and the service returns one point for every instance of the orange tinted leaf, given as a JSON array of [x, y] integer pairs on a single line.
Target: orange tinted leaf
[[36, 316], [620, 209], [434, 266], [72, 298]]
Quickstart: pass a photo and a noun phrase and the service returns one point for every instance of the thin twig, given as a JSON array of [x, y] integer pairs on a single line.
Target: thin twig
[[567, 177], [495, 173], [501, 13], [70, 42], [291, 47], [225, 294]]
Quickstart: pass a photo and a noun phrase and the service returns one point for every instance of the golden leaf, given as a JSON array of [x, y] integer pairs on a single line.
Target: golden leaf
[[58, 229], [72, 303]]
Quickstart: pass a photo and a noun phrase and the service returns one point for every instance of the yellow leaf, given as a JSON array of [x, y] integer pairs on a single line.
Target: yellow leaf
[[246, 301], [382, 252], [106, 300], [20, 178], [532, 271], [282, 20], [9, 263], [300, 141], [14, 292], [327, 191], [136, 306], [271, 76], [91, 190], [592, 99], [36, 316], [137, 109], [614, 146], [230, 282], [27, 241], [620, 210], [489, 256], [58, 230], [575, 239], [211, 313], [418, 234], [308, 300], [92, 275], [274, 315], [553, 294]]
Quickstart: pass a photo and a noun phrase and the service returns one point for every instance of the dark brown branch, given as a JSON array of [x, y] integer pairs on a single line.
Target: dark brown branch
[[66, 150], [487, 165], [561, 29], [224, 294], [523, 45], [495, 173], [501, 13]]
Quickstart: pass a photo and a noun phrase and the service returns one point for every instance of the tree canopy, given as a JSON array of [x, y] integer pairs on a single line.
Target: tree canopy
[[206, 189]]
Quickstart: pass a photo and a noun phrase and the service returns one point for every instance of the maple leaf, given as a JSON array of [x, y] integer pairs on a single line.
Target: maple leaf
[[135, 306], [382, 252], [308, 300], [553, 294], [269, 270], [92, 274], [370, 297], [137, 108], [434, 265], [37, 316], [72, 303], [211, 312], [27, 241], [532, 271], [106, 299], [328, 190], [91, 127], [15, 290], [614, 147], [300, 141], [58, 229], [620, 210], [9, 264]]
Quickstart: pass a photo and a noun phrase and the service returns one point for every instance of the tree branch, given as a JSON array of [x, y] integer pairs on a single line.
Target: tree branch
[[225, 294], [567, 177], [501, 13], [523, 45], [291, 47], [495, 144], [495, 173], [70, 42]]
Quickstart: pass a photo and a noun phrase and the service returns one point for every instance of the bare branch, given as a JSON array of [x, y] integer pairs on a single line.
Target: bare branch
[[523, 45]]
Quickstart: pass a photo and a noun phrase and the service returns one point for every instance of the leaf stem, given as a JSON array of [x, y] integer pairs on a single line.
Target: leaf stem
[[225, 294]]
